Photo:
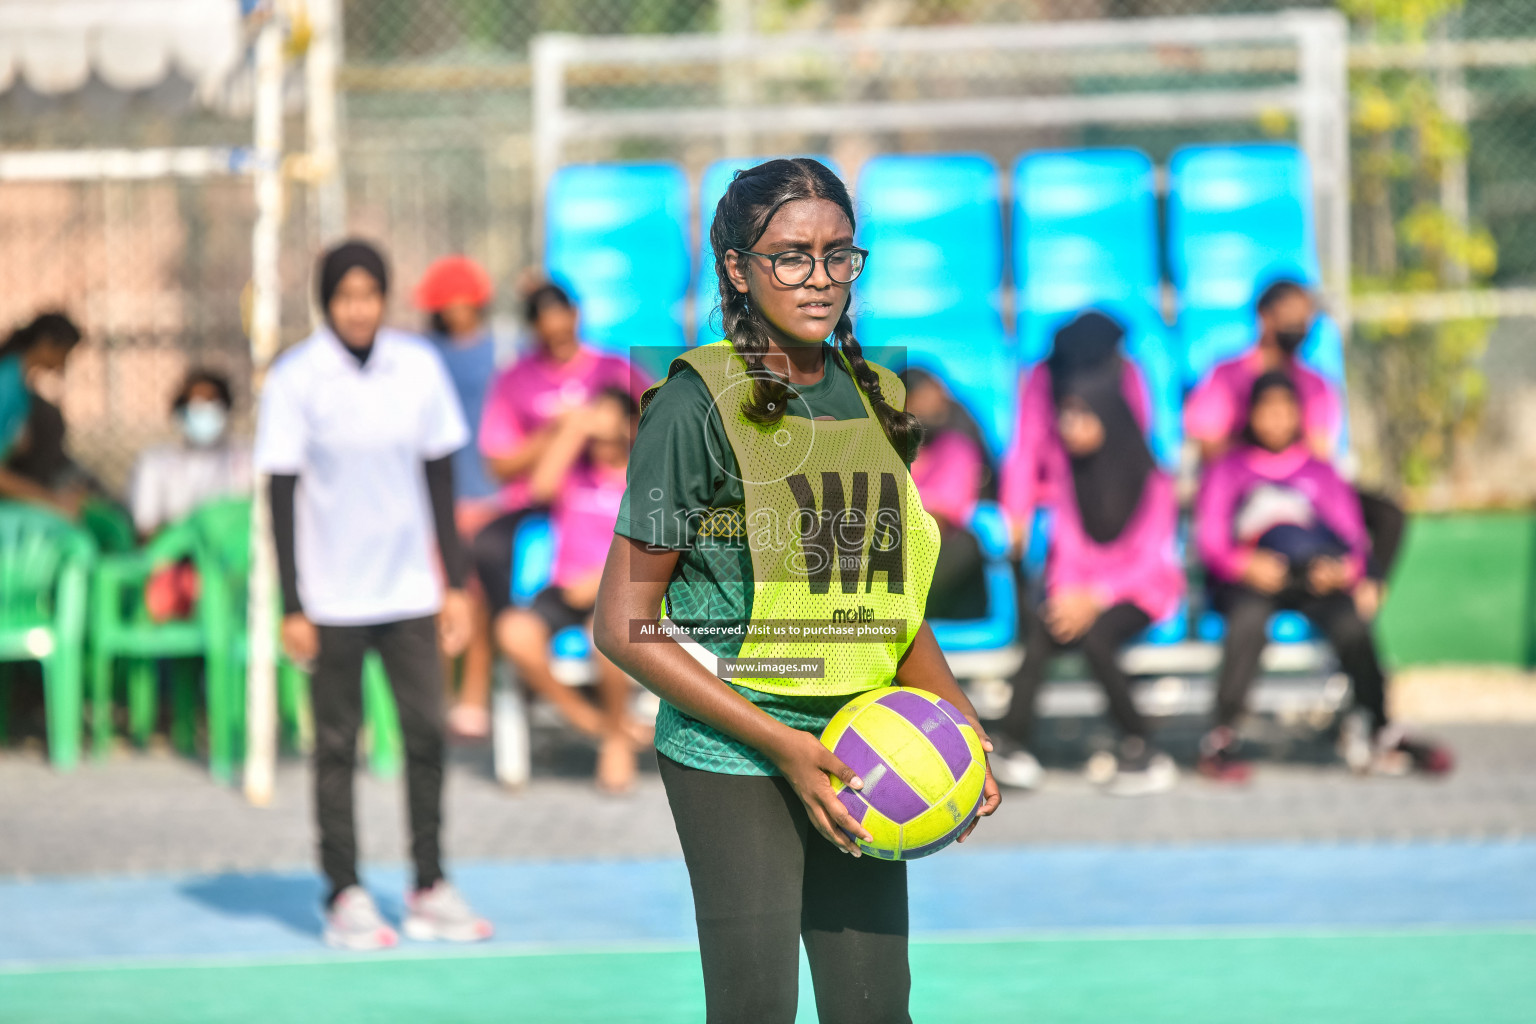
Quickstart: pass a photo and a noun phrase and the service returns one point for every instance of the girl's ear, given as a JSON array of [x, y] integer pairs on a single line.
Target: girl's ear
[[736, 270]]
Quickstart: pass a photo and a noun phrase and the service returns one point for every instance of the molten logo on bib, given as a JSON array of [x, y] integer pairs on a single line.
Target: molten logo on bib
[[863, 613]]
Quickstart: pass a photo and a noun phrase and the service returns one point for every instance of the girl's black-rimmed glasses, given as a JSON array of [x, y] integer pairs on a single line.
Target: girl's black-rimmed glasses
[[793, 268]]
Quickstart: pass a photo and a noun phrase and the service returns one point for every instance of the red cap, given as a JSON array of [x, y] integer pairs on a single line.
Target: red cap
[[453, 279]]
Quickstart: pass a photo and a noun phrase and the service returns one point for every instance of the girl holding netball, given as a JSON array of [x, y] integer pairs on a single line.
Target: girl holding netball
[[769, 487]]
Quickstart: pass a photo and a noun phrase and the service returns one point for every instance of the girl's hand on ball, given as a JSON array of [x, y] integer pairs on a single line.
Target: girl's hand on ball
[[991, 796], [806, 765]]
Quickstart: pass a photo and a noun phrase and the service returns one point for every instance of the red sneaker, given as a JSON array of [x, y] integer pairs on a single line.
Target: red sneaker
[[1423, 755], [1217, 760]]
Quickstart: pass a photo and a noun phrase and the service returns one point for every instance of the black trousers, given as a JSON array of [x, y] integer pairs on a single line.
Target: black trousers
[[493, 554], [1384, 525], [1113, 629], [409, 650], [764, 879], [1247, 612], [959, 587]]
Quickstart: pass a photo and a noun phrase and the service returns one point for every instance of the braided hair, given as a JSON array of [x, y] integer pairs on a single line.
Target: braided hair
[[742, 216]]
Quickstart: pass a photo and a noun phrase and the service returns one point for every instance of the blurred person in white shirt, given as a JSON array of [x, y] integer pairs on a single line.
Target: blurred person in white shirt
[[170, 481]]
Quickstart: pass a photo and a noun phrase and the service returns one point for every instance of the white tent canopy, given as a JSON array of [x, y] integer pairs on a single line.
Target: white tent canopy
[[56, 46]]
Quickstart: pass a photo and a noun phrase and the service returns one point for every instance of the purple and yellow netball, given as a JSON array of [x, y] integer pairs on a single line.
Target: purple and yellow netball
[[922, 765]]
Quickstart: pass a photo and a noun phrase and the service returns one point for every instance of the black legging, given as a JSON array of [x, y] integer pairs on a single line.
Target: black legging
[[763, 879], [1113, 629], [493, 554], [409, 650], [1247, 613], [1384, 524]]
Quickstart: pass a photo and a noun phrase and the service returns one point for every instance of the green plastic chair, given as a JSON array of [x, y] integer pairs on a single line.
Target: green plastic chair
[[226, 531], [110, 526], [122, 630], [45, 567]]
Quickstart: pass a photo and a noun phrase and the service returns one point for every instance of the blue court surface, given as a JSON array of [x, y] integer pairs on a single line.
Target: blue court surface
[[223, 947]]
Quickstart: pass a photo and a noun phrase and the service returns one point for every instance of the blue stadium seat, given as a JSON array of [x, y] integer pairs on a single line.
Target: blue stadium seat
[[1285, 627], [717, 176], [1239, 217], [616, 234], [532, 563], [934, 230], [969, 352], [1084, 236], [999, 628], [1174, 629], [928, 299]]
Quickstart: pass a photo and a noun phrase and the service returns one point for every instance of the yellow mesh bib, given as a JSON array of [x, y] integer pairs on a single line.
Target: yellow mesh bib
[[842, 549]]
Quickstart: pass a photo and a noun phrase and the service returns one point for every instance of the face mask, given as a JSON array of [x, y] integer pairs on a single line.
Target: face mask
[[203, 422], [1290, 340]]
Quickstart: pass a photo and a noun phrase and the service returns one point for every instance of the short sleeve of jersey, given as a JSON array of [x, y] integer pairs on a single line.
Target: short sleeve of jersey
[[444, 430], [675, 469], [500, 433], [280, 423], [1210, 409], [14, 403]]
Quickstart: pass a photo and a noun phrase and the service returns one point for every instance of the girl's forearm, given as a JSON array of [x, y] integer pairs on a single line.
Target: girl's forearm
[[518, 462], [14, 485], [549, 473], [674, 675], [925, 668]]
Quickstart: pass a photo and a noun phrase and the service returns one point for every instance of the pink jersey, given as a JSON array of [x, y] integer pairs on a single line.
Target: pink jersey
[[948, 472], [1235, 475], [584, 515], [531, 392], [1141, 566], [1217, 410], [1023, 480]]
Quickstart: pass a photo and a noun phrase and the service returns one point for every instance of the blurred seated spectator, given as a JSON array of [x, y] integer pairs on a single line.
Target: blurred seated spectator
[[35, 467], [455, 292], [1112, 568], [951, 472], [1277, 527], [1023, 481], [580, 474], [1215, 416], [1216, 412], [171, 480], [524, 411]]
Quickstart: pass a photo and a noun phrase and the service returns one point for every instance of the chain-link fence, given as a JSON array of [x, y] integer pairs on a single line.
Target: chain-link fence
[[152, 269], [438, 154], [437, 157]]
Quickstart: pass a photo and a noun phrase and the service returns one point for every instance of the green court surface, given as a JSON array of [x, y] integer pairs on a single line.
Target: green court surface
[[1445, 977]]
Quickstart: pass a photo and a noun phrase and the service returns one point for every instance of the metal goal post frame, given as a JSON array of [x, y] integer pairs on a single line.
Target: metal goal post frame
[[1318, 99]]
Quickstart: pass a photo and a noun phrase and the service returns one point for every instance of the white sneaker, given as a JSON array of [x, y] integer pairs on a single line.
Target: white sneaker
[[1017, 770], [1144, 776], [353, 922], [1355, 747], [440, 913]]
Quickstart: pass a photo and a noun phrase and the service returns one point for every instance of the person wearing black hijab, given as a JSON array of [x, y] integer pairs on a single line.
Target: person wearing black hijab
[[357, 429], [1112, 568]]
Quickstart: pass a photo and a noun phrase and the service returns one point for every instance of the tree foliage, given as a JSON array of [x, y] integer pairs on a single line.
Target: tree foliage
[[1422, 379]]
